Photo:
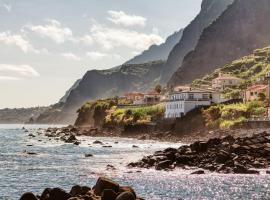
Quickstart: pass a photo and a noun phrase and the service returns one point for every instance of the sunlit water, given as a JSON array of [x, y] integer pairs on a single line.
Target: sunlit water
[[64, 165]]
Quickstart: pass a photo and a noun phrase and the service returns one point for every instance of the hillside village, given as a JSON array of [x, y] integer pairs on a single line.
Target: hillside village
[[222, 91]]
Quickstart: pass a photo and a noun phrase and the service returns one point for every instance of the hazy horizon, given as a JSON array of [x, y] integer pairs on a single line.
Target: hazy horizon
[[47, 46]]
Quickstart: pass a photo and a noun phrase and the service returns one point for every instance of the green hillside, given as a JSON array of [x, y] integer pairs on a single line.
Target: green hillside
[[248, 68]]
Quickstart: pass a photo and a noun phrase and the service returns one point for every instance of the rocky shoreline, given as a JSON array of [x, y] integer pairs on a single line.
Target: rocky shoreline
[[227, 155], [105, 189]]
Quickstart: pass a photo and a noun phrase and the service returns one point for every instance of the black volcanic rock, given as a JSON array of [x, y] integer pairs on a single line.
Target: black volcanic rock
[[222, 155], [210, 11], [242, 28]]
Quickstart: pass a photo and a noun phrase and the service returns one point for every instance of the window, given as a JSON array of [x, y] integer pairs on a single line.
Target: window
[[205, 96], [191, 96]]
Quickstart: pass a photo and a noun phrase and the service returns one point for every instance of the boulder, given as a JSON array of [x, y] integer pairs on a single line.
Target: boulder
[[199, 146], [97, 142], [76, 190], [59, 194], [127, 189], [28, 196], [164, 165], [198, 172], [104, 183], [108, 194], [126, 196], [46, 194]]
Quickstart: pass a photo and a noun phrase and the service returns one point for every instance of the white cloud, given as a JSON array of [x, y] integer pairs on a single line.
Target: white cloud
[[95, 55], [8, 78], [17, 40], [71, 56], [7, 7], [87, 40], [16, 72], [121, 18], [54, 31], [110, 38]]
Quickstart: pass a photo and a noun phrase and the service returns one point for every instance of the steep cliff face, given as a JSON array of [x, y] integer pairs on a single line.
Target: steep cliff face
[[158, 52], [210, 11], [242, 28], [114, 82], [73, 87]]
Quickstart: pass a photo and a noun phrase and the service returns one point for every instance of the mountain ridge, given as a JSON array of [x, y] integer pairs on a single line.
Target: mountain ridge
[[218, 46]]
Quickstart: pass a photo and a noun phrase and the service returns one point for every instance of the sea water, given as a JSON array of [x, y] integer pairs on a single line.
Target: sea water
[[58, 164]]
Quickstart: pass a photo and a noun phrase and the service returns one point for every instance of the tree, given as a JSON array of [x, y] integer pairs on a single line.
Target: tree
[[158, 88], [261, 96]]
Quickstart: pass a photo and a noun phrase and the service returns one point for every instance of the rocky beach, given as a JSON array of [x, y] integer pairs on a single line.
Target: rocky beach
[[241, 155], [104, 189]]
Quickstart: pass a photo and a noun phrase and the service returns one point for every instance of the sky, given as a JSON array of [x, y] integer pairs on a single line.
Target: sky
[[46, 45]]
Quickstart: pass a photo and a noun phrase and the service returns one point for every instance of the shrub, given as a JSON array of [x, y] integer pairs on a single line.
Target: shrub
[[228, 116]]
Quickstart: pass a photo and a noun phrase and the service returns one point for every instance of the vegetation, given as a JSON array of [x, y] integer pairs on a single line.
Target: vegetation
[[249, 68], [232, 115], [140, 115]]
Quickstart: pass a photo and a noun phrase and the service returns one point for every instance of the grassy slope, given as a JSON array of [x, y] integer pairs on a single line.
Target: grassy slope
[[248, 68]]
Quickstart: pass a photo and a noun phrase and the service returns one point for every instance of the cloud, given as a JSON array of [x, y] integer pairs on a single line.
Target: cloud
[[53, 30], [17, 72], [17, 40], [110, 38], [121, 18], [7, 7], [8, 78], [87, 40], [71, 56], [95, 55]]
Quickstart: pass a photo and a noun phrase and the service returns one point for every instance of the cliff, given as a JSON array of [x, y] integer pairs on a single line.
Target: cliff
[[113, 82], [242, 28], [158, 52], [210, 11]]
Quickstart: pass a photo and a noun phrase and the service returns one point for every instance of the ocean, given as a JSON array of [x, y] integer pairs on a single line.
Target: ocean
[[57, 164]]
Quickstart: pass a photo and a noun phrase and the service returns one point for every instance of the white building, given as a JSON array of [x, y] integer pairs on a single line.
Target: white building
[[225, 80], [180, 103]]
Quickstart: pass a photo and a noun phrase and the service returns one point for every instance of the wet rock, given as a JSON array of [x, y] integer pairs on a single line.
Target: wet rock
[[98, 142], [46, 194], [127, 189], [105, 189], [59, 194], [108, 194], [110, 167], [79, 190], [223, 155], [198, 172], [126, 196], [28, 196], [87, 155], [104, 183], [31, 135], [77, 142], [164, 165], [107, 146]]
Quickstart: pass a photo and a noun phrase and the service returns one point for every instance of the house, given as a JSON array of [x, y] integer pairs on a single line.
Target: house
[[180, 103], [151, 98], [225, 80], [254, 92], [135, 97]]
